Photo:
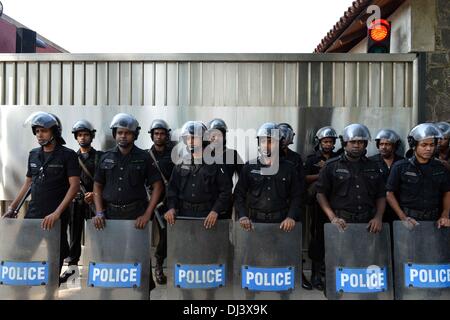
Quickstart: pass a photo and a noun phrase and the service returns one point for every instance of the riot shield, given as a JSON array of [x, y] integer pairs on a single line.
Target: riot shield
[[358, 263], [117, 261], [422, 261], [199, 261], [268, 262], [29, 259]]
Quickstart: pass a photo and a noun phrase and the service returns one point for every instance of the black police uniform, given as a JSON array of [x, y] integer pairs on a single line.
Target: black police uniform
[[268, 198], [124, 179], [446, 157], [352, 188], [235, 166], [197, 189], [316, 249], [296, 159], [166, 165], [389, 215], [50, 172], [419, 188], [80, 209]]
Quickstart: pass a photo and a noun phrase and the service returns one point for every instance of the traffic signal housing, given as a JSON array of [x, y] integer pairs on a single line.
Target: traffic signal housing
[[379, 36]]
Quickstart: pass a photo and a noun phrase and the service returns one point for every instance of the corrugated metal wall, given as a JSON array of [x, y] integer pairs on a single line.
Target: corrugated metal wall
[[287, 87], [338, 83], [331, 80]]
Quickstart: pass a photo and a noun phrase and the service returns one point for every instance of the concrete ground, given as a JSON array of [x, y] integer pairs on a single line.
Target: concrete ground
[[72, 289]]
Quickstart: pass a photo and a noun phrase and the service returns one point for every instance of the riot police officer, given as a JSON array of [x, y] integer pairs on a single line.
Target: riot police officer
[[269, 189], [217, 136], [350, 187], [324, 142], [197, 189], [388, 144], [286, 139], [443, 150], [83, 204], [419, 188], [230, 158], [54, 178], [270, 197], [161, 155], [122, 176]]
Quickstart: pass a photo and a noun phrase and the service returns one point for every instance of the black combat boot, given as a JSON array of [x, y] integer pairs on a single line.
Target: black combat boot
[[159, 274], [305, 283], [316, 278]]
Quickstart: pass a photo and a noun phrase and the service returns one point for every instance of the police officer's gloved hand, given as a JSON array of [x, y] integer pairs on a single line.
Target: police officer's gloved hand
[[10, 213], [340, 223], [246, 223]]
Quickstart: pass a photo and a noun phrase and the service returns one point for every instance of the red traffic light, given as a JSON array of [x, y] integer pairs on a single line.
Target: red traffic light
[[379, 29]]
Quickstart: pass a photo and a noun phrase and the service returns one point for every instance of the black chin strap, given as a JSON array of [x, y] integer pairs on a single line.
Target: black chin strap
[[46, 143]]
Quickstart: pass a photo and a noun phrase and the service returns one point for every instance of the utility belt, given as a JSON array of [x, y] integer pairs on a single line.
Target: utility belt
[[126, 211], [352, 217], [196, 207], [195, 210], [257, 215], [422, 215]]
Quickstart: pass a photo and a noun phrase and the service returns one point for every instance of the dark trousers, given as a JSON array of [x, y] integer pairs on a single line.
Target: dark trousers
[[316, 250], [76, 224], [161, 248], [389, 215], [64, 245]]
